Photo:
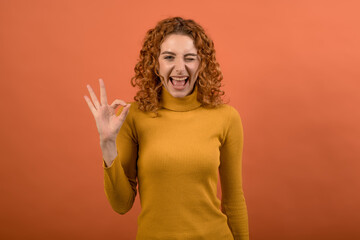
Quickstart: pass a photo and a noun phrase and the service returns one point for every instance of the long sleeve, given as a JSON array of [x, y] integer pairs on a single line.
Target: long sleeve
[[233, 201], [175, 159], [120, 178]]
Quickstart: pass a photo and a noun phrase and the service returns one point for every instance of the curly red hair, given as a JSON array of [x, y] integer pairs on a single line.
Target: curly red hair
[[147, 76]]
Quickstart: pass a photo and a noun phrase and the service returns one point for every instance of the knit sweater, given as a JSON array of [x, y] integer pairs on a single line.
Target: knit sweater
[[175, 159]]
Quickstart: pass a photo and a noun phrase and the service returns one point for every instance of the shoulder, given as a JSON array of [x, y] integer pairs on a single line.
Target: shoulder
[[231, 124], [225, 116], [224, 113], [232, 116], [228, 111]]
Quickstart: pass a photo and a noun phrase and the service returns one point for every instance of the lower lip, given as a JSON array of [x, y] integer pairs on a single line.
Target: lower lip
[[179, 87]]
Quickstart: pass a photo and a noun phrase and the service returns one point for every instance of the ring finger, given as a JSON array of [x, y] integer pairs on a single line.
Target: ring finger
[[93, 97]]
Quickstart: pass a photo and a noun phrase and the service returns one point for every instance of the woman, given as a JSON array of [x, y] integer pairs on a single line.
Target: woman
[[173, 140]]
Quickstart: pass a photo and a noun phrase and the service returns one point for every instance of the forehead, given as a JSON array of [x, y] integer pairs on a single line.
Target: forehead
[[178, 44]]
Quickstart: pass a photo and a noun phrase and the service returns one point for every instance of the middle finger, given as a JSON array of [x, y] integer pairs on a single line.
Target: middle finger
[[103, 97]]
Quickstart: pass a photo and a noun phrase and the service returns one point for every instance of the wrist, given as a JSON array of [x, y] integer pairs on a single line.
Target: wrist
[[106, 143], [109, 151]]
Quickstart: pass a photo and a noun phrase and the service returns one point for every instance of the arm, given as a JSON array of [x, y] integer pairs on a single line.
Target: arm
[[233, 201], [120, 177]]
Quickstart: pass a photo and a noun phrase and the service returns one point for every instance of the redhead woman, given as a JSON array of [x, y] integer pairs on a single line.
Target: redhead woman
[[174, 140]]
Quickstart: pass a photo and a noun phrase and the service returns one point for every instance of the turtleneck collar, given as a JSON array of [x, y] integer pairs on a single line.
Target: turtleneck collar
[[183, 104]]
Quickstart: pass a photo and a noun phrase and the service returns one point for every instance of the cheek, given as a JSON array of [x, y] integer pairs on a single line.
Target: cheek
[[163, 69], [193, 69]]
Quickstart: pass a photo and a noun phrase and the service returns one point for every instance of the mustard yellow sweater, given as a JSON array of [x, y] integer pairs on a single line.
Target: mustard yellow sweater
[[175, 159]]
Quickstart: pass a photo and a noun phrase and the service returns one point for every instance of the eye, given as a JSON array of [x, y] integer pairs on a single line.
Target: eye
[[168, 57], [189, 59]]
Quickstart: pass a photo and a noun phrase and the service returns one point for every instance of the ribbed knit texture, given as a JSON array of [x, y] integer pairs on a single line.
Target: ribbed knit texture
[[175, 159]]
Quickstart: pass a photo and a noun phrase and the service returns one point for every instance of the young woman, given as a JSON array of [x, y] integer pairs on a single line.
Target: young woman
[[173, 140]]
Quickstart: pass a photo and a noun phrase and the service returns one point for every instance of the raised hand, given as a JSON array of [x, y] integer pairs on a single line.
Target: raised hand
[[107, 123]]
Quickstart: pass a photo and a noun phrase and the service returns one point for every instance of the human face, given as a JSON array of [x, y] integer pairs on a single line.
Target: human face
[[178, 64]]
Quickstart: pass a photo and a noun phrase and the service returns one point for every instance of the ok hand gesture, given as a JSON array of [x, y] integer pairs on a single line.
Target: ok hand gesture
[[107, 123]]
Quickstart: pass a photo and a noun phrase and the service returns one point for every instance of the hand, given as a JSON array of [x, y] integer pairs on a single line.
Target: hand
[[107, 123]]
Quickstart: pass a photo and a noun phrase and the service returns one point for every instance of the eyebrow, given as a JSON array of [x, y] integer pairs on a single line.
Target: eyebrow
[[171, 53]]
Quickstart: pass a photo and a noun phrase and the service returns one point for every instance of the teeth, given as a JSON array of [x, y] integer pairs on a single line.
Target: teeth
[[179, 79]]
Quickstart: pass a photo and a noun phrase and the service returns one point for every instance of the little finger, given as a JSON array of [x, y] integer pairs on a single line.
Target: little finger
[[91, 106]]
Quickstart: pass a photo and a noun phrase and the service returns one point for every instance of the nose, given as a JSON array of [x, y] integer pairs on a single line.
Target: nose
[[179, 66]]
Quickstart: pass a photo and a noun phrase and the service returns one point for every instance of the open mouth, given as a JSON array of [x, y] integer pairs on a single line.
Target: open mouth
[[179, 81]]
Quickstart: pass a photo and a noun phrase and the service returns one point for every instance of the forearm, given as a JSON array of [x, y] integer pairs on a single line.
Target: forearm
[[119, 188], [237, 218], [120, 173]]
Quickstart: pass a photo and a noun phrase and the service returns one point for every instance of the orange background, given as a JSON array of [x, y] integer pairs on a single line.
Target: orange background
[[291, 68]]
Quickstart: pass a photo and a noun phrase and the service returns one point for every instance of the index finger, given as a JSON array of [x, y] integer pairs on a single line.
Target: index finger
[[103, 97]]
